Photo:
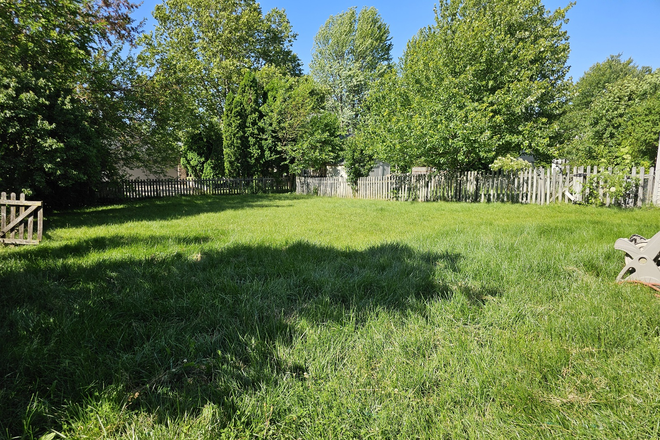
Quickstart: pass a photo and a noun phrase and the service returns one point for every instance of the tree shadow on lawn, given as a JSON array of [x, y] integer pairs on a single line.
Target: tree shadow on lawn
[[170, 332], [166, 208]]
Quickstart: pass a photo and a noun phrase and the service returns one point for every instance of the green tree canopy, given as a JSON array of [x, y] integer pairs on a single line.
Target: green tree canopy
[[620, 126], [64, 91], [595, 81], [303, 133], [200, 49], [350, 52], [488, 79], [613, 118], [243, 138], [279, 127], [202, 154]]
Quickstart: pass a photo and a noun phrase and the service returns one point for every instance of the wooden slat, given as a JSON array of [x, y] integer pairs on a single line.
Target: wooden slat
[[17, 225], [18, 220], [21, 215], [649, 186], [640, 190], [3, 210], [18, 241], [23, 203], [12, 214]]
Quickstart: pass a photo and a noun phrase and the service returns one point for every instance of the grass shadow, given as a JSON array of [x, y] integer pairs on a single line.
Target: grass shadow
[[167, 208], [172, 331]]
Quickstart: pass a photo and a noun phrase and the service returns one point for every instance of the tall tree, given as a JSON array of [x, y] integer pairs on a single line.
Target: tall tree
[[301, 132], [60, 92], [201, 48], [350, 52], [607, 98], [244, 152], [318, 145], [486, 80], [620, 126], [595, 81]]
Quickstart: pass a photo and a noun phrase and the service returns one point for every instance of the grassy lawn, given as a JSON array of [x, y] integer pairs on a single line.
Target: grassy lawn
[[299, 317]]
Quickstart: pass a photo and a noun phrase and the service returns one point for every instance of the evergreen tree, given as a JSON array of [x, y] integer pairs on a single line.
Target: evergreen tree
[[244, 152]]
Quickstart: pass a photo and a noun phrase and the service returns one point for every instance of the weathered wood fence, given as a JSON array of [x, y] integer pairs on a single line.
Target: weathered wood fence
[[147, 188], [17, 218], [635, 187]]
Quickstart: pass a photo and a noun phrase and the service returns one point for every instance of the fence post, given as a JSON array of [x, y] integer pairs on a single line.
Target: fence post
[[656, 187]]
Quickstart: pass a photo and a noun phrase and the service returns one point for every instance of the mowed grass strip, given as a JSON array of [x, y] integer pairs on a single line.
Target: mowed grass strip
[[299, 317]]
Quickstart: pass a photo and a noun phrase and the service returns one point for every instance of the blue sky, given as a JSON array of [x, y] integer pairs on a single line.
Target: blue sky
[[597, 28]]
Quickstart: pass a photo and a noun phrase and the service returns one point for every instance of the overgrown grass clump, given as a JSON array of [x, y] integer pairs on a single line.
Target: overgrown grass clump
[[289, 317]]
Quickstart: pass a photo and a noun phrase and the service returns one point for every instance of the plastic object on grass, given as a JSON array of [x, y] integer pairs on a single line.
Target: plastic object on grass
[[642, 259]]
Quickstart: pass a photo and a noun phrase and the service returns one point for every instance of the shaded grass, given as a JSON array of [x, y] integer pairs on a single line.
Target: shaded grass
[[295, 317]]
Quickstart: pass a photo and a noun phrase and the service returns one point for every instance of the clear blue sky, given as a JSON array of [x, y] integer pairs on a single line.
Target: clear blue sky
[[597, 28]]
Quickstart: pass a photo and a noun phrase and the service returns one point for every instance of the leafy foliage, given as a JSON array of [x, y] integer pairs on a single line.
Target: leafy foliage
[[202, 152], [319, 144], [510, 163], [65, 94], [615, 115], [595, 81], [278, 128], [621, 190], [359, 159], [488, 79], [350, 52], [290, 103], [299, 128], [243, 148], [200, 49]]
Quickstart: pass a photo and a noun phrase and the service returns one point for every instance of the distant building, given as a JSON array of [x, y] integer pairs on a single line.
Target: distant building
[[177, 172]]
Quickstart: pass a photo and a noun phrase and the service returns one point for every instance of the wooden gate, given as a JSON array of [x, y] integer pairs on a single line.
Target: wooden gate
[[17, 220]]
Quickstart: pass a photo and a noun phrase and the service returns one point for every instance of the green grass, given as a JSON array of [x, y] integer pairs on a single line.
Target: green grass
[[299, 317]]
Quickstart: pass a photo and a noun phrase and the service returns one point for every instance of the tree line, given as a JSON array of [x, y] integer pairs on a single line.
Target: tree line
[[86, 95]]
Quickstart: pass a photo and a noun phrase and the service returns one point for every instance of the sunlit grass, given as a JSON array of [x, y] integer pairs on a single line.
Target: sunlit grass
[[296, 317]]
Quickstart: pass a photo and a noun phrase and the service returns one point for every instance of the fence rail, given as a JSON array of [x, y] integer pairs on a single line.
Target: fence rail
[[148, 188], [537, 186], [17, 218]]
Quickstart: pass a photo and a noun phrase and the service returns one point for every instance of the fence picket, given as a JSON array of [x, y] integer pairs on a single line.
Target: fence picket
[[640, 190], [533, 186]]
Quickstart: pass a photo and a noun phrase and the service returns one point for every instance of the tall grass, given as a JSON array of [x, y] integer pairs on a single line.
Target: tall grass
[[295, 317]]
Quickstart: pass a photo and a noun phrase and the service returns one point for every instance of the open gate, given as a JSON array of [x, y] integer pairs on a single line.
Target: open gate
[[17, 220]]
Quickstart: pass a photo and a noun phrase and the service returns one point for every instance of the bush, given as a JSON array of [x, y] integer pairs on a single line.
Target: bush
[[510, 163]]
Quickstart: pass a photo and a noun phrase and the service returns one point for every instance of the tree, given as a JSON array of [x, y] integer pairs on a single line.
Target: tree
[[620, 126], [350, 52], [58, 96], [129, 114], [595, 81], [319, 144], [200, 49], [612, 119], [202, 154], [488, 79], [244, 151], [359, 159], [294, 120]]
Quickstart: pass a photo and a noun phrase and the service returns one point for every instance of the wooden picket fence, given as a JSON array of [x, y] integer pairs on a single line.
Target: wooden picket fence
[[150, 188], [17, 220], [635, 187]]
